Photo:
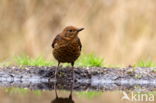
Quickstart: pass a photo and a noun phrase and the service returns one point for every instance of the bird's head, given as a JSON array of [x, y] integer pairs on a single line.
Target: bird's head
[[70, 32]]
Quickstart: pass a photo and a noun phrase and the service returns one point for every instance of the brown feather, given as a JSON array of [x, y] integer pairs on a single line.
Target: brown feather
[[67, 46]]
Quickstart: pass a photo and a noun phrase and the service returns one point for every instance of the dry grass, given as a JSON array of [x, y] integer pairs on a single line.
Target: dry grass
[[120, 31]]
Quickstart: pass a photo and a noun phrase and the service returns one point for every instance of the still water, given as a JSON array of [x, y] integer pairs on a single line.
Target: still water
[[57, 93]]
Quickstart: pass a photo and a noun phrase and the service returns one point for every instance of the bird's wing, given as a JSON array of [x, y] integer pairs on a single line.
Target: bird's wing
[[79, 42], [57, 38]]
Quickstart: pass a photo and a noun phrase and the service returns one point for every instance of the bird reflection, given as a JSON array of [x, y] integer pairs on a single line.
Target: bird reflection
[[61, 99]]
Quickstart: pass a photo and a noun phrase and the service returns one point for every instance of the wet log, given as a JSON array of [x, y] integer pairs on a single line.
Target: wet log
[[89, 78]]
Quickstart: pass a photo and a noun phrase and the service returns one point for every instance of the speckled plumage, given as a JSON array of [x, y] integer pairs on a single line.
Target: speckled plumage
[[67, 46], [66, 51]]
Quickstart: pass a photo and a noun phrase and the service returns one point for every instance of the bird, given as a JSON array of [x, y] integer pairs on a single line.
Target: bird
[[61, 99], [67, 47]]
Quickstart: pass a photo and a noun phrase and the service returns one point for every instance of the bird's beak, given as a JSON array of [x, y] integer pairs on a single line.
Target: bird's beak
[[80, 29]]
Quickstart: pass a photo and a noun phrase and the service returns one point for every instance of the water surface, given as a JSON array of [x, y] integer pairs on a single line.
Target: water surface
[[57, 93]]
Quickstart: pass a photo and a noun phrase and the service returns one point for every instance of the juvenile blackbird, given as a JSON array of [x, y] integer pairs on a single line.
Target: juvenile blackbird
[[67, 47], [61, 99]]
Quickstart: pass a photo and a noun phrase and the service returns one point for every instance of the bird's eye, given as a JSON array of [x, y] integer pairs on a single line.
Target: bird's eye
[[70, 30]]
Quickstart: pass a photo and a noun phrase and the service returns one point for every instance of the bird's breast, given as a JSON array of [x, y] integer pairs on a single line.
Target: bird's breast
[[67, 52]]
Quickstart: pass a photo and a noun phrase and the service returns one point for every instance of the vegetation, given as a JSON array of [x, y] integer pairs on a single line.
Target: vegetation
[[39, 61], [89, 60], [85, 60], [145, 64]]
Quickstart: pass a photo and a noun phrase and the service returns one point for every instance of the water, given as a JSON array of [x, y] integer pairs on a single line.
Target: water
[[99, 92], [32, 85], [49, 96]]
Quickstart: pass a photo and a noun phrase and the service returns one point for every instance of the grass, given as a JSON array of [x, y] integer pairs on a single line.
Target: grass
[[89, 60], [85, 60], [39, 61], [145, 64]]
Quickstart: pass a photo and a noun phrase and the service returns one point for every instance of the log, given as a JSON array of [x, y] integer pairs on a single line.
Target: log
[[86, 78]]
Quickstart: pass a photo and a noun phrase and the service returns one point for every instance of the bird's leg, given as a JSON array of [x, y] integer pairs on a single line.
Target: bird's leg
[[71, 90], [73, 74], [55, 88], [56, 70]]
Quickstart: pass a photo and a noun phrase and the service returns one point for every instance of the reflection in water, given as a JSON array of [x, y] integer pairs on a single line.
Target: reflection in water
[[61, 99], [20, 96]]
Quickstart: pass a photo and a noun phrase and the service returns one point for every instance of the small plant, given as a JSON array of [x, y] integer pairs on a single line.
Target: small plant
[[145, 64], [39, 61], [90, 60]]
